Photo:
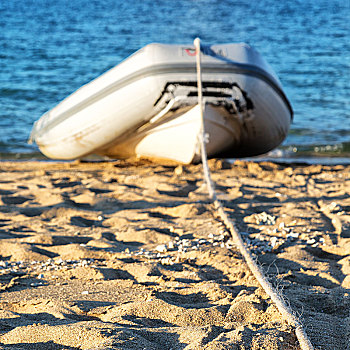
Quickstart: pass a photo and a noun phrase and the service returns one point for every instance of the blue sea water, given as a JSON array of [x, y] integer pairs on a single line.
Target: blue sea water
[[48, 49]]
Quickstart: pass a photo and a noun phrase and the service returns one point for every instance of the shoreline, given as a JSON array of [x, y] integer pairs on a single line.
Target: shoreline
[[129, 255], [287, 160], [327, 154]]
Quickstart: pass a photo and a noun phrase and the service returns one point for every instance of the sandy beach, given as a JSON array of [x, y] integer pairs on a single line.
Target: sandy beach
[[128, 255]]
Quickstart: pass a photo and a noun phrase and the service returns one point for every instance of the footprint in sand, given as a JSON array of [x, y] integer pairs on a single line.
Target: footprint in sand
[[15, 199]]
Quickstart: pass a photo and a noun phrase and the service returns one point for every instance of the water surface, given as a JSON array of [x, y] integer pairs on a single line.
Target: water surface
[[48, 49]]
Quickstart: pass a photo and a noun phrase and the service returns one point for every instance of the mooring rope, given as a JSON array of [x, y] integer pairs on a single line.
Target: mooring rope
[[258, 273]]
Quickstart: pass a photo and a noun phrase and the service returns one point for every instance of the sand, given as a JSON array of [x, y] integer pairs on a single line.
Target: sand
[[128, 255]]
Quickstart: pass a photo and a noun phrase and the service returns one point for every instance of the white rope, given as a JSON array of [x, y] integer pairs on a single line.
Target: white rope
[[281, 305], [202, 129]]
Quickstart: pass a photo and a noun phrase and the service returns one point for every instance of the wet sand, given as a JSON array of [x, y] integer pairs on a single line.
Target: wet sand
[[128, 255]]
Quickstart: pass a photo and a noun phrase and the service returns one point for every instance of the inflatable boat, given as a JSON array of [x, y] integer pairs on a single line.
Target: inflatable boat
[[147, 106]]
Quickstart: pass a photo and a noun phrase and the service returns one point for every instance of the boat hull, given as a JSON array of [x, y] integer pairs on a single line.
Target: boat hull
[[177, 136]]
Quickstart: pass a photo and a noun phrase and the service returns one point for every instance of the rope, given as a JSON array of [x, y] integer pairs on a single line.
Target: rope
[[285, 310]]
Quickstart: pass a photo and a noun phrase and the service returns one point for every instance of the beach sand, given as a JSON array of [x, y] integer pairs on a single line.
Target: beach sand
[[128, 255]]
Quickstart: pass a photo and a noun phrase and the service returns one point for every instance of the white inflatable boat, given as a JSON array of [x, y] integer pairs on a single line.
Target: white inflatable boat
[[147, 106]]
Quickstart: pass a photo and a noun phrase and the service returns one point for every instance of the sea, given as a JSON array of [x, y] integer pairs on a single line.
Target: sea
[[50, 48]]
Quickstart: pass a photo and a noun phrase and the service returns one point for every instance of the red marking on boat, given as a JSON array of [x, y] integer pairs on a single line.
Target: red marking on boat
[[190, 52]]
